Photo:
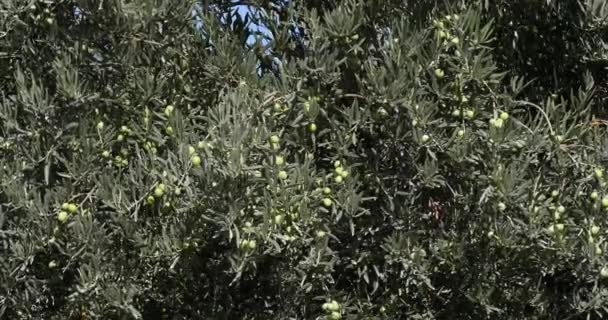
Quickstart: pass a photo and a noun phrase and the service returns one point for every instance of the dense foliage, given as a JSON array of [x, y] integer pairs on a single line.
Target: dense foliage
[[164, 159]]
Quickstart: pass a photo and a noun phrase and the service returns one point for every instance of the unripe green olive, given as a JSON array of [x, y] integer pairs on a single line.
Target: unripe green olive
[[282, 175], [333, 306], [498, 123], [196, 161], [274, 139], [335, 315], [72, 208], [599, 173], [593, 195], [605, 202], [439, 73], [169, 110], [158, 192], [62, 216]]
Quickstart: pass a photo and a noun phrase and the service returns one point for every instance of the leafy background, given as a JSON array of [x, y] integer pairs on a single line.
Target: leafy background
[[303, 159]]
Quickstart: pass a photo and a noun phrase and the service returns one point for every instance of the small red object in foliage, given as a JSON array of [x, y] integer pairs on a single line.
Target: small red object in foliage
[[437, 210]]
